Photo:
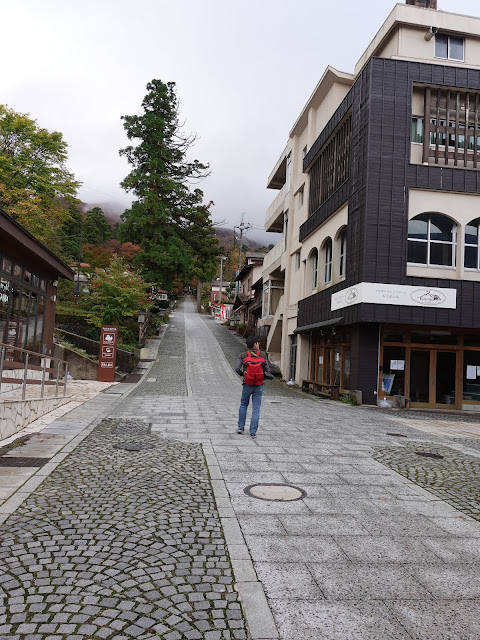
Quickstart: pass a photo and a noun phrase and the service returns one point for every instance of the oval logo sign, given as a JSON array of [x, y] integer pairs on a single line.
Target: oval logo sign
[[428, 297], [352, 296]]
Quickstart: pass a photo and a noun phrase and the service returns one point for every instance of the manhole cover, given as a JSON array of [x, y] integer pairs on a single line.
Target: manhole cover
[[397, 435], [275, 492], [429, 455], [134, 446]]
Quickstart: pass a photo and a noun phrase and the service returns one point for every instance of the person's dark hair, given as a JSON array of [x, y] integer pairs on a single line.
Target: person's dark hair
[[251, 340]]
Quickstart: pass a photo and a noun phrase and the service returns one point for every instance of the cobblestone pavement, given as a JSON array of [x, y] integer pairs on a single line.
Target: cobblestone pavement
[[123, 540], [452, 475], [367, 553]]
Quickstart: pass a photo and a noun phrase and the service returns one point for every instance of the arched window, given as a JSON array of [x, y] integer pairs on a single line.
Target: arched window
[[471, 245], [314, 262], [327, 251], [432, 240], [343, 252]]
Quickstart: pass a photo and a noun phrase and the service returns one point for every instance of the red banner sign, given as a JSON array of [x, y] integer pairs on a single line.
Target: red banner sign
[[108, 353]]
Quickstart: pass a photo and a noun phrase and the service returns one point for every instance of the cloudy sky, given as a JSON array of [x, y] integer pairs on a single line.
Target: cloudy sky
[[243, 72]]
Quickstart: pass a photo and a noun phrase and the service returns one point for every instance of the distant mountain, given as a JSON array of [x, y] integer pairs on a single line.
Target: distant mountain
[[254, 239], [112, 209]]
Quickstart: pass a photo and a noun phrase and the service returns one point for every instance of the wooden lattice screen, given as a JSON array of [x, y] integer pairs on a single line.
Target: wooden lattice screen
[[331, 168], [451, 127]]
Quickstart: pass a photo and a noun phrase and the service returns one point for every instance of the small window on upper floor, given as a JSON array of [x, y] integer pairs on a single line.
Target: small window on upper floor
[[300, 197], [297, 261], [449, 47]]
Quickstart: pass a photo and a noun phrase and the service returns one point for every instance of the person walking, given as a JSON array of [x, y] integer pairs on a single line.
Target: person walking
[[254, 367]]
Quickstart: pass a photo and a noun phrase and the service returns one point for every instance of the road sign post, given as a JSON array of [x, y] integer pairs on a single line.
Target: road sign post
[[108, 354]]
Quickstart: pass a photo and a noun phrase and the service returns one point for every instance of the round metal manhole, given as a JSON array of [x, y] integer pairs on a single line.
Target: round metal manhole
[[133, 446], [424, 454], [275, 492], [396, 435]]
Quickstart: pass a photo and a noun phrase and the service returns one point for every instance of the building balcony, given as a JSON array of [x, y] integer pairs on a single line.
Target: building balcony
[[274, 216], [273, 260]]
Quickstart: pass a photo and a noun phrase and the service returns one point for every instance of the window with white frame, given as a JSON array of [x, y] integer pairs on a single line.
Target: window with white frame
[[288, 172], [272, 292], [300, 197], [471, 257], [343, 253], [285, 229], [327, 249], [297, 261], [449, 47], [432, 238], [314, 264]]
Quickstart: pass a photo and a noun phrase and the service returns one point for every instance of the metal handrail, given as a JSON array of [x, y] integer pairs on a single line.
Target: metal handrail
[[7, 362]]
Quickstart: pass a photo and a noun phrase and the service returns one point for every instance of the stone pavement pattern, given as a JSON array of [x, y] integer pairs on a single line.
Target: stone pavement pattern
[[119, 544], [367, 553]]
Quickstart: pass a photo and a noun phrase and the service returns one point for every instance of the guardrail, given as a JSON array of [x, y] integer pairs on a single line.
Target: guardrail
[[47, 376]]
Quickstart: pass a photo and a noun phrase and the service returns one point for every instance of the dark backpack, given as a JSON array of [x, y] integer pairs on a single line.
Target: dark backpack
[[253, 368]]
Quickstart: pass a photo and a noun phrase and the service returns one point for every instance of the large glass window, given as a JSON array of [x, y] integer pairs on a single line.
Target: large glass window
[[449, 47], [471, 245], [432, 240]]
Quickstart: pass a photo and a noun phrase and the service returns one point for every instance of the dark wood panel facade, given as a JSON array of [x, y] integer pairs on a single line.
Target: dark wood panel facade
[[377, 193]]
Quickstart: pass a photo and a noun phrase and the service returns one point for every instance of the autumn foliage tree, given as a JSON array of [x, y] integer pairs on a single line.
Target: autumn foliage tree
[[35, 185]]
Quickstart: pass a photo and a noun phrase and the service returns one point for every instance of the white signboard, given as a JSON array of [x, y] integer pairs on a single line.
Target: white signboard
[[394, 294]]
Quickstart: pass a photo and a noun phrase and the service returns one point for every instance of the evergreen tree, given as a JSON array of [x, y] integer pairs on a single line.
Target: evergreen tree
[[96, 227], [168, 220], [70, 234]]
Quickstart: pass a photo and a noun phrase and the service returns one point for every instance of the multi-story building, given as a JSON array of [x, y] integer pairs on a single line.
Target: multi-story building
[[377, 273]]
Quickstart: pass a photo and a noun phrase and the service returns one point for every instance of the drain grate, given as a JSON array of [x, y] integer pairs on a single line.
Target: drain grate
[[23, 462], [396, 435], [275, 492], [134, 446], [425, 454]]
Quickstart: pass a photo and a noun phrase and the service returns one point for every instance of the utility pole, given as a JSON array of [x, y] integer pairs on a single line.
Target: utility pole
[[222, 258], [243, 226]]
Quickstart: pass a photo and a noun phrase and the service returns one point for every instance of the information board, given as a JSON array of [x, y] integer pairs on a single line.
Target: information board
[[108, 354]]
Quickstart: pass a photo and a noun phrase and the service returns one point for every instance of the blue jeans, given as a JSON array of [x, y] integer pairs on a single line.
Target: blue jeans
[[255, 392]]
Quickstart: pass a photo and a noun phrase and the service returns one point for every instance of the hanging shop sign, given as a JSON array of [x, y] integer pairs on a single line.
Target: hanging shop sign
[[392, 294], [108, 354]]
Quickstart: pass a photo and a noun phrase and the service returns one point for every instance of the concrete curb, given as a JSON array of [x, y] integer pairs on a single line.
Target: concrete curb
[[260, 622]]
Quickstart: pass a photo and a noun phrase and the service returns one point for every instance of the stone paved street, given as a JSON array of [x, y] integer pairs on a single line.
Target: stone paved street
[[144, 528]]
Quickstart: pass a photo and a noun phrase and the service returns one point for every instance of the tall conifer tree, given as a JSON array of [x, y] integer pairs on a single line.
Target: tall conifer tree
[[168, 220]]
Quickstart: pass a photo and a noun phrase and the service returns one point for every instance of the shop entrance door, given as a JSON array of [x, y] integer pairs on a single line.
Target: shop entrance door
[[432, 378]]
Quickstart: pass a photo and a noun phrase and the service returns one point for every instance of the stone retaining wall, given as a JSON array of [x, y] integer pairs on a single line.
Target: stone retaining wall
[[17, 414]]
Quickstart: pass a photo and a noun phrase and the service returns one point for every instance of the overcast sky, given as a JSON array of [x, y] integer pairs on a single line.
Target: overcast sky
[[243, 73]]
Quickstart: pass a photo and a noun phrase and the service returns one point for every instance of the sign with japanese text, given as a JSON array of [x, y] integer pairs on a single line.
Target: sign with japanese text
[[394, 294], [108, 353]]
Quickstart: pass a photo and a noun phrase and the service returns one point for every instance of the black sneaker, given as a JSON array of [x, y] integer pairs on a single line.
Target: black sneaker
[[240, 431], [253, 435]]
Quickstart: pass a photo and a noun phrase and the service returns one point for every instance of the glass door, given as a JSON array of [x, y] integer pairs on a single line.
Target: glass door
[[445, 377], [420, 378], [432, 378]]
